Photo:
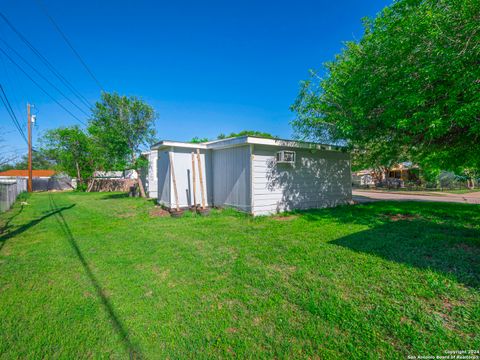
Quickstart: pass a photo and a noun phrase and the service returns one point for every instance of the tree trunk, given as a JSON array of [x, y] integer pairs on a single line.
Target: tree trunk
[[470, 184], [139, 178], [79, 177], [140, 185]]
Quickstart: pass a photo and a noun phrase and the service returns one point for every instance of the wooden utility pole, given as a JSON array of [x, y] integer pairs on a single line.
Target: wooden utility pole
[[29, 125]]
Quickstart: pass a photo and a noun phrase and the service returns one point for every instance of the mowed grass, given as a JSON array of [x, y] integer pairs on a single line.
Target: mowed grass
[[95, 275]]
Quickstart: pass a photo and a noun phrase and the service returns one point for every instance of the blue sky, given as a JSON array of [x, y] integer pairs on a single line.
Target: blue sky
[[207, 67]]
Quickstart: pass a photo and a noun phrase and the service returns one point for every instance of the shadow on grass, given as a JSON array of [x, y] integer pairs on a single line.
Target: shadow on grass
[[25, 227], [454, 251], [5, 226], [438, 236], [380, 212], [133, 352], [114, 196]]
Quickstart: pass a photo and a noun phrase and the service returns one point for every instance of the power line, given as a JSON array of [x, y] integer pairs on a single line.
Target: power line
[[62, 34], [47, 63], [41, 88], [11, 113], [44, 78], [10, 83]]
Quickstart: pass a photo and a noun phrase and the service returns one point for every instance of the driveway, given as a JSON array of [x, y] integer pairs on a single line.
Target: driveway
[[372, 195]]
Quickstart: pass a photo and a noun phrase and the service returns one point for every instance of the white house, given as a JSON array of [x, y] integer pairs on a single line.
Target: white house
[[257, 175], [363, 178]]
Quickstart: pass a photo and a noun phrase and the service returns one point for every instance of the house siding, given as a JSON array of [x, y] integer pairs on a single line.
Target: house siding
[[231, 180], [318, 179], [182, 161], [163, 178], [151, 183]]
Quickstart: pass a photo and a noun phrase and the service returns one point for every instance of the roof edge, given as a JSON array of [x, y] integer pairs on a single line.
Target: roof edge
[[254, 140]]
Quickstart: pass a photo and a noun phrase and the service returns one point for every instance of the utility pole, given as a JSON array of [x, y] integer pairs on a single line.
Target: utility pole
[[29, 124]]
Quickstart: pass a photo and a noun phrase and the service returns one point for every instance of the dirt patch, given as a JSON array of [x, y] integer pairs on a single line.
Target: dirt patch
[[161, 273], [159, 212], [399, 217], [285, 218], [283, 268], [126, 215]]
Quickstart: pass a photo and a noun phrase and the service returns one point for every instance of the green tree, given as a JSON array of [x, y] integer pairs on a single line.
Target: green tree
[[247, 133], [40, 161], [122, 126], [198, 140], [72, 150], [408, 90]]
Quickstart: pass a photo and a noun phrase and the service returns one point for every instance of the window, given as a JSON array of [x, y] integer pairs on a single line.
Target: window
[[286, 157]]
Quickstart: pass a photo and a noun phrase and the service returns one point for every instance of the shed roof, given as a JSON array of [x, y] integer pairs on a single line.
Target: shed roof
[[24, 173], [243, 140]]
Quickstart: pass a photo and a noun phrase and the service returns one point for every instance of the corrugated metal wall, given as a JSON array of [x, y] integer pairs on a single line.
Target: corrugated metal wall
[[9, 191], [318, 179], [231, 180]]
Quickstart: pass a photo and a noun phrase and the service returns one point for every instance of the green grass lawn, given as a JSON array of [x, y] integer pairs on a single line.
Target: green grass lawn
[[421, 191], [463, 191], [95, 275]]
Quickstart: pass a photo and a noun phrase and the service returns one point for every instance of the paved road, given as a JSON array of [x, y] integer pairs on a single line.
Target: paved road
[[367, 196]]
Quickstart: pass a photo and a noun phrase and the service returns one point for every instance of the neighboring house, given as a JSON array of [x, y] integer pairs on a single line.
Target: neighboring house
[[396, 176], [38, 174], [257, 175], [42, 180], [405, 171], [363, 178], [126, 174]]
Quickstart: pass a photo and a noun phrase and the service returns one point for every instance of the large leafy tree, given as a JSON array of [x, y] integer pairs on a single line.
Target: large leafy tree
[[72, 150], [246, 133], [122, 126], [408, 90], [197, 140], [40, 160]]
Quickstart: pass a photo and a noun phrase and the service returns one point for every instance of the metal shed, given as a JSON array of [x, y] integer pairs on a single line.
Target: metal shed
[[256, 175]]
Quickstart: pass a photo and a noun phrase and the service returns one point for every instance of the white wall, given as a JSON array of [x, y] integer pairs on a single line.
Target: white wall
[[163, 178], [254, 182], [182, 162], [319, 178], [231, 180], [152, 174]]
